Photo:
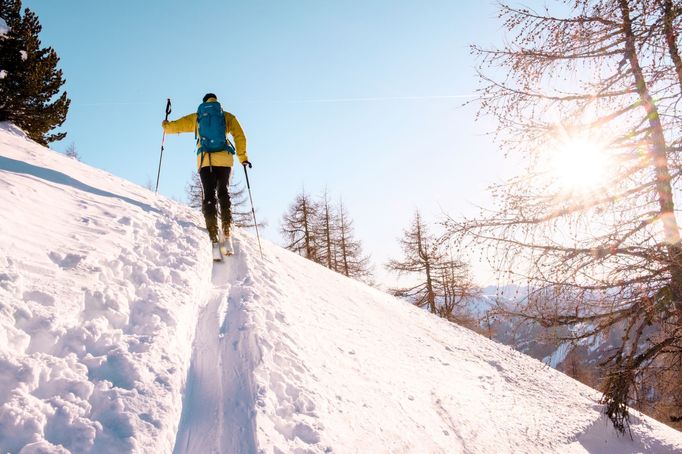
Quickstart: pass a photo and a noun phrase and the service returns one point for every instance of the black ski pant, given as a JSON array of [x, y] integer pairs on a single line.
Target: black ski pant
[[216, 180]]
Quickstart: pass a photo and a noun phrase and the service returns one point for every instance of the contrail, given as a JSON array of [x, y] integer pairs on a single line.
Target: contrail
[[303, 101], [136, 103], [386, 98]]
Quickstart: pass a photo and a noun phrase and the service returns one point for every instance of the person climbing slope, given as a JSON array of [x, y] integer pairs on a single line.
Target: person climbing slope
[[211, 125]]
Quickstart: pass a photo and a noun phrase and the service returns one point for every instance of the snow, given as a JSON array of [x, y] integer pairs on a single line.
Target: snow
[[3, 73], [118, 334], [4, 28], [100, 283], [558, 356]]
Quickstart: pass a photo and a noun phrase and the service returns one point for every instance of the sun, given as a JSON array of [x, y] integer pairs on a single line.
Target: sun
[[579, 164]]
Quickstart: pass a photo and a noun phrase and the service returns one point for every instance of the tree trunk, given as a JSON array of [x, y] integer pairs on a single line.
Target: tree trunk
[[659, 153], [430, 294], [671, 38], [306, 230], [344, 247], [327, 231]]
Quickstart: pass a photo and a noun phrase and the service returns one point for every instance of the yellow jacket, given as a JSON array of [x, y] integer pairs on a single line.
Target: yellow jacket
[[188, 123]]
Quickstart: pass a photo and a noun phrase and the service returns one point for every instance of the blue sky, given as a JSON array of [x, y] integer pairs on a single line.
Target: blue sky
[[362, 97]]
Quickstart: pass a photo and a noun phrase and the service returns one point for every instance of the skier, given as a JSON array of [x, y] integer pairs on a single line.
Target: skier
[[210, 125]]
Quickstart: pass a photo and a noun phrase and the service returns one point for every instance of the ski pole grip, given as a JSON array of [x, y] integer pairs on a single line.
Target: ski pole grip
[[168, 108], [246, 174]]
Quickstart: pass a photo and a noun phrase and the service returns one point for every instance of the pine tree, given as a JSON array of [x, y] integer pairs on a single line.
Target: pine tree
[[611, 257], [30, 79], [298, 227]]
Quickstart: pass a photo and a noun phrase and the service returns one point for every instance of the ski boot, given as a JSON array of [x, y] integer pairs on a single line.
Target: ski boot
[[226, 247], [213, 233]]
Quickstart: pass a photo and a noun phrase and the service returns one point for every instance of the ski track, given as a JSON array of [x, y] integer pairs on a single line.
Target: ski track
[[219, 405]]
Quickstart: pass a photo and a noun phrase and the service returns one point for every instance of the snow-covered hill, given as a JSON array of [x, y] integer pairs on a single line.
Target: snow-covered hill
[[117, 334]]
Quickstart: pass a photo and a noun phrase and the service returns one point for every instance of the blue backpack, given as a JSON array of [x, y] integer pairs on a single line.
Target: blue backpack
[[211, 129]]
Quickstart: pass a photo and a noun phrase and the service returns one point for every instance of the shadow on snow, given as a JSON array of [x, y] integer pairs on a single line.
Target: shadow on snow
[[16, 166]]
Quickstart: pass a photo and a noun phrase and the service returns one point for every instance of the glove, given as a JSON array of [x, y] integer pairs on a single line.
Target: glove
[[247, 163]]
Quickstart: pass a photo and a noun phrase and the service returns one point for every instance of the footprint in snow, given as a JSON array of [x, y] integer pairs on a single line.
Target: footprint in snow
[[39, 297], [306, 433], [66, 262]]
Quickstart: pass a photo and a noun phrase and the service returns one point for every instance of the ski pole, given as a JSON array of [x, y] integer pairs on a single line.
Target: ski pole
[[163, 139], [253, 211]]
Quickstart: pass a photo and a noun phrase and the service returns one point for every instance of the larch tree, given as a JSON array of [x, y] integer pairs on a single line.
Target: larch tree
[[350, 259], [72, 152], [589, 98], [575, 368], [455, 288], [29, 79], [325, 226], [323, 233], [194, 191], [298, 227], [422, 256], [240, 205]]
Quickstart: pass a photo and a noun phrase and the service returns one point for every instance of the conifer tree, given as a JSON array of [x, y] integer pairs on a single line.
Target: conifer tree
[[325, 226], [72, 152], [349, 258], [608, 73], [574, 367], [194, 191], [454, 289], [438, 281], [323, 233], [240, 208], [298, 227], [29, 78], [421, 257]]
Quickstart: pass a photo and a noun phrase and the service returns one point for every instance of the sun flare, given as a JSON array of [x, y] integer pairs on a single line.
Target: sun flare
[[579, 165]]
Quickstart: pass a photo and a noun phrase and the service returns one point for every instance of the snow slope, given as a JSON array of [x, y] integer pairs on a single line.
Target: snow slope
[[100, 286], [117, 334]]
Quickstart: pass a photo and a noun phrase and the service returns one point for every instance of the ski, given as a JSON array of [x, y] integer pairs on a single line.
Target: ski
[[226, 247], [217, 256]]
